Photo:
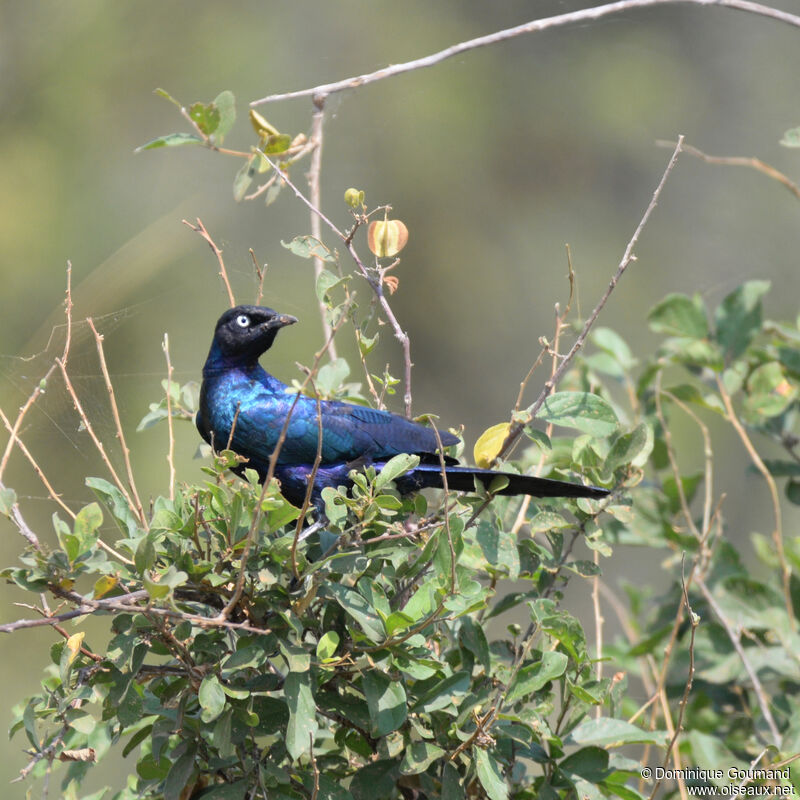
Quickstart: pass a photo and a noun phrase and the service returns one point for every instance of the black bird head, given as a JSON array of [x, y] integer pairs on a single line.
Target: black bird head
[[243, 333]]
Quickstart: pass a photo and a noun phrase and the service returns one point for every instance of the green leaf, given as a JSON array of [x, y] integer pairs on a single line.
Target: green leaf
[[226, 105], [531, 678], [679, 315], [276, 144], [238, 790], [489, 774], [145, 557], [167, 96], [243, 179], [607, 732], [769, 393], [114, 500], [394, 468], [709, 751], [358, 608], [695, 352], [589, 763], [302, 713], [611, 343], [791, 138], [452, 788], [170, 140], [418, 757], [378, 779], [179, 774], [206, 117], [386, 701], [738, 318], [87, 521], [443, 693], [582, 410], [547, 521], [628, 448], [327, 280], [689, 393], [473, 638], [309, 247], [211, 697], [327, 645], [331, 376], [29, 723], [8, 497], [298, 659]]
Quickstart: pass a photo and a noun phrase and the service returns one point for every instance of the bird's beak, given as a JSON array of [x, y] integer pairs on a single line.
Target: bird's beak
[[280, 321]]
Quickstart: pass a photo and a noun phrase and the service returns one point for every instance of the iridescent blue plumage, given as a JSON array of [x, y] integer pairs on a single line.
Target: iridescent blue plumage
[[238, 395]]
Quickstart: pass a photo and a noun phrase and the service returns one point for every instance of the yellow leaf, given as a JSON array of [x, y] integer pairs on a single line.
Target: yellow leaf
[[489, 443], [74, 644], [104, 584], [261, 126]]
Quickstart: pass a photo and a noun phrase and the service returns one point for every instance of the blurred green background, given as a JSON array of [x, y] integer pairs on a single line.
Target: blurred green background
[[494, 159]]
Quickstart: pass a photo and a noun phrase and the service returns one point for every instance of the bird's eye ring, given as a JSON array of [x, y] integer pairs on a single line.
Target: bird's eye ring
[[243, 320]]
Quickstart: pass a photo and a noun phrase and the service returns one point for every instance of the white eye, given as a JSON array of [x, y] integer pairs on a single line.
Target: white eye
[[243, 320]]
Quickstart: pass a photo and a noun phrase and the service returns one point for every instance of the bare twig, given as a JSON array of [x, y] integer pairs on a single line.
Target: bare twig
[[536, 26], [129, 602], [313, 175], [736, 641], [223, 273], [171, 450], [126, 453], [36, 468], [93, 435], [739, 161], [261, 273], [515, 431], [694, 620]]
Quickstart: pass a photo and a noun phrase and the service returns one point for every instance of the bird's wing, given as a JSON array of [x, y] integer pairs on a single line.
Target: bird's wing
[[350, 432]]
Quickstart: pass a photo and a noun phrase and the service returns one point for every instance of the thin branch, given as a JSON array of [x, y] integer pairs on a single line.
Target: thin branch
[[171, 450], [223, 273], [536, 26], [311, 478], [376, 285], [736, 641], [313, 175], [740, 161], [40, 387], [94, 437], [694, 621], [36, 468], [261, 272], [777, 533], [126, 453], [16, 517], [598, 623], [516, 429], [128, 602]]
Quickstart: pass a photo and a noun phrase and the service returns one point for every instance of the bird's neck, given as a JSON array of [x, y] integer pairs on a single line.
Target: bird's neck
[[219, 363]]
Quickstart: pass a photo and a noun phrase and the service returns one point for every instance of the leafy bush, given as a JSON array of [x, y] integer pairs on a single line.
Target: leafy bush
[[418, 647]]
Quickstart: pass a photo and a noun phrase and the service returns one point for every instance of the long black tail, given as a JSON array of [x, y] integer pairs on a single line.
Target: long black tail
[[462, 479]]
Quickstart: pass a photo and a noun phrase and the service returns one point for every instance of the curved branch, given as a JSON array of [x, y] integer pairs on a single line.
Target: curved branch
[[535, 26]]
